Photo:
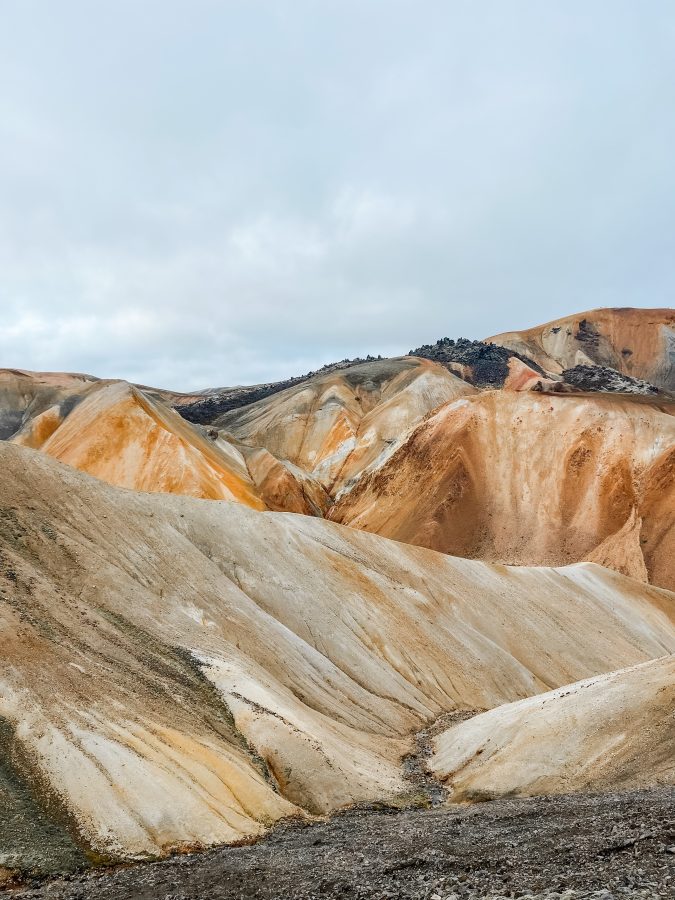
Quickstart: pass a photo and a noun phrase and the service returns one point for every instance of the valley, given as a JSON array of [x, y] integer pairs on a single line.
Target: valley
[[408, 594]]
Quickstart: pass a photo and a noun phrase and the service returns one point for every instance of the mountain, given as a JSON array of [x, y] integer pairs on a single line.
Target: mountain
[[180, 672], [337, 424], [639, 343], [122, 436], [442, 577], [131, 438], [43, 396], [532, 479], [205, 406]]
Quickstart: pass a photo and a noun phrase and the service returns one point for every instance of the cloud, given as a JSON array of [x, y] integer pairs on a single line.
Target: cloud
[[205, 193]]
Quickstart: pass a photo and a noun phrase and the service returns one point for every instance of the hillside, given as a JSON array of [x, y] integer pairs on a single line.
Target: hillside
[[132, 438], [180, 673], [336, 425], [616, 730], [532, 479], [636, 342]]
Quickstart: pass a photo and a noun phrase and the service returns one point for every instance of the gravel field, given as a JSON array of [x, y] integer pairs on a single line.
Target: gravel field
[[574, 846]]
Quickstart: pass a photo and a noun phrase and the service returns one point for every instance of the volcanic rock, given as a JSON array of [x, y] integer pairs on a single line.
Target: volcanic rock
[[639, 343]]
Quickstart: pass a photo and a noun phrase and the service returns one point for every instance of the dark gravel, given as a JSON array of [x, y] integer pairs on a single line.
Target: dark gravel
[[603, 846]]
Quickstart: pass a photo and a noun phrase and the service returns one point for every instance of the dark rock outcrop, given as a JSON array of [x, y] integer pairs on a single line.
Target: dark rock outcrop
[[214, 404], [482, 364], [602, 378]]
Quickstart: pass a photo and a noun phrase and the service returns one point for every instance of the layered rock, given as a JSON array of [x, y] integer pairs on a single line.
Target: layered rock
[[179, 673], [531, 479]]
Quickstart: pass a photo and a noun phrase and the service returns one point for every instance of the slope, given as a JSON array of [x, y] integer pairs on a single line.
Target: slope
[[178, 673], [122, 436], [336, 425], [526, 478], [47, 396], [616, 731], [131, 438]]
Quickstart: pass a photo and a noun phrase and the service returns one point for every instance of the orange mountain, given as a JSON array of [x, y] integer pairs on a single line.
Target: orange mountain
[[635, 342], [532, 479]]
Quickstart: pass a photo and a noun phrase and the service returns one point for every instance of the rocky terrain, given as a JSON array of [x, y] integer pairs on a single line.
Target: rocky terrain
[[639, 343], [325, 615], [484, 364], [600, 378], [560, 848]]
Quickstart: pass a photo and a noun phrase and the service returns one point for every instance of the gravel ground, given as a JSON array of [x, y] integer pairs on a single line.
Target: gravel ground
[[576, 846]]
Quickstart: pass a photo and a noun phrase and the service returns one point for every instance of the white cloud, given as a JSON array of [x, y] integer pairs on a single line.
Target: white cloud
[[201, 194]]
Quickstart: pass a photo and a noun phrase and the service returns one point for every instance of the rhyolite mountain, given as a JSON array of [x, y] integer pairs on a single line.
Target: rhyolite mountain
[[639, 343], [223, 608]]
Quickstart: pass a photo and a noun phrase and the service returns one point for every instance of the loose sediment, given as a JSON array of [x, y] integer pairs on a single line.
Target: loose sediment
[[575, 846]]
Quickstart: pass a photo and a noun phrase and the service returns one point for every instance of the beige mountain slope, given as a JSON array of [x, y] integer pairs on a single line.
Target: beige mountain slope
[[636, 342], [25, 396], [130, 438], [178, 673], [526, 478], [613, 731], [336, 425]]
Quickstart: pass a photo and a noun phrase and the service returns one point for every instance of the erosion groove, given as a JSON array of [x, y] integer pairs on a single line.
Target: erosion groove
[[397, 628]]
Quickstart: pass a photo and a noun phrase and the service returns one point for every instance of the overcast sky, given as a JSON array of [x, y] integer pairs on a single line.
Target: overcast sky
[[198, 193]]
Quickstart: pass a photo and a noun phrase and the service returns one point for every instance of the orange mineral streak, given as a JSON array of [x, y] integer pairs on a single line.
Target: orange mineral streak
[[636, 342], [121, 436], [532, 479], [40, 429]]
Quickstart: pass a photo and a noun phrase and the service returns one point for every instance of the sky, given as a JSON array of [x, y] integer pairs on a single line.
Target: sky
[[197, 193]]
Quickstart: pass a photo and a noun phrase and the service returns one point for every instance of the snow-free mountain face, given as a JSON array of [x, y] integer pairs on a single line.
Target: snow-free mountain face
[[337, 425], [177, 671], [636, 342], [129, 437], [182, 672], [614, 730], [532, 479]]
